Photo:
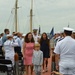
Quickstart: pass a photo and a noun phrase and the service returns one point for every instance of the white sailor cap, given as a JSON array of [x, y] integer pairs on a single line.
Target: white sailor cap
[[68, 29], [23, 34], [9, 35]]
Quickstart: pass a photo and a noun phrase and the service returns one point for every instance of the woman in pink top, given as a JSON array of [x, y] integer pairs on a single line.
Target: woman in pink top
[[28, 48]]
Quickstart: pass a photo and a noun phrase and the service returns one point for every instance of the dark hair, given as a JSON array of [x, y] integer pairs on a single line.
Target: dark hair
[[74, 35], [26, 38], [68, 33], [2, 34], [42, 39], [9, 37], [5, 30]]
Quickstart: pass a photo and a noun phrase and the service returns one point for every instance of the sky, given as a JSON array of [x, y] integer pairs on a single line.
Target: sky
[[46, 13]]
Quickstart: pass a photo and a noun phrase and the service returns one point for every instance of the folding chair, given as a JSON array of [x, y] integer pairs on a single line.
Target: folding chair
[[3, 70], [21, 66], [1, 53], [2, 57], [5, 61], [8, 63], [0, 48]]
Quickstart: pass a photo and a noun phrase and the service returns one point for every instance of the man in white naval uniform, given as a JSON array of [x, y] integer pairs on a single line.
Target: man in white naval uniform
[[35, 36], [65, 53], [9, 48]]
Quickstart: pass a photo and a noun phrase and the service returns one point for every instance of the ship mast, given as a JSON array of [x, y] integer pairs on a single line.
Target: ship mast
[[31, 15], [16, 7]]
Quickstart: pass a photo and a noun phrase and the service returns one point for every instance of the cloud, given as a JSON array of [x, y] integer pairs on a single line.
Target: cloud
[[47, 13]]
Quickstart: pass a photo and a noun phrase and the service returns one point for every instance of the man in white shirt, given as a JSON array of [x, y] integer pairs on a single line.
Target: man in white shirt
[[35, 35], [65, 53], [17, 39], [6, 32]]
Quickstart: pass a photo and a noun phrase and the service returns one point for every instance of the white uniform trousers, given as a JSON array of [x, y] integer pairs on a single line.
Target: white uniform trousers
[[10, 58], [67, 71]]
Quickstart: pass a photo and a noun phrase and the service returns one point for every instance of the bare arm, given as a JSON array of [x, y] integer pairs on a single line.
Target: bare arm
[[49, 48], [57, 57], [13, 44], [41, 62], [24, 45]]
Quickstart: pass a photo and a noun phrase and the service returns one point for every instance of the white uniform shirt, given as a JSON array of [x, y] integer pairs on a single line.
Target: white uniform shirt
[[35, 38], [18, 40], [22, 42], [66, 49], [9, 48]]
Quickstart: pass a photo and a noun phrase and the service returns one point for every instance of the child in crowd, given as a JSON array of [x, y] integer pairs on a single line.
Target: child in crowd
[[37, 59]]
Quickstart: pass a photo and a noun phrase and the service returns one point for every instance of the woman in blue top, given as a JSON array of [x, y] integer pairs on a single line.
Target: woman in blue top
[[45, 48]]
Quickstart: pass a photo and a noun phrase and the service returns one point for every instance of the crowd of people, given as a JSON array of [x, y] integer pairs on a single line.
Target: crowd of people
[[36, 49]]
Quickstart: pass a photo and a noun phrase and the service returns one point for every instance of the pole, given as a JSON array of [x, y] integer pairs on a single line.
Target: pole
[[16, 7], [31, 15], [68, 24]]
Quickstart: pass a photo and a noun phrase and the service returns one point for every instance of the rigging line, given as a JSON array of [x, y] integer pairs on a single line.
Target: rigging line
[[13, 29], [36, 20], [18, 27], [8, 19], [37, 13], [37, 23], [10, 24], [26, 26], [24, 8], [13, 26], [10, 16], [19, 21]]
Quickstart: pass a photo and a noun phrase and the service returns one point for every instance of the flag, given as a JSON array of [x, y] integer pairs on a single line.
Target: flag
[[68, 25], [39, 30], [51, 33]]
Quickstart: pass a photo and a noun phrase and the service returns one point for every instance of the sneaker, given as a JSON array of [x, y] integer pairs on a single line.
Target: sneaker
[[43, 71], [46, 69]]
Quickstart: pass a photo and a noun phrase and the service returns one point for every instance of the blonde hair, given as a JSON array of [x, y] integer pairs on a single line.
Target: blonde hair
[[37, 45]]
